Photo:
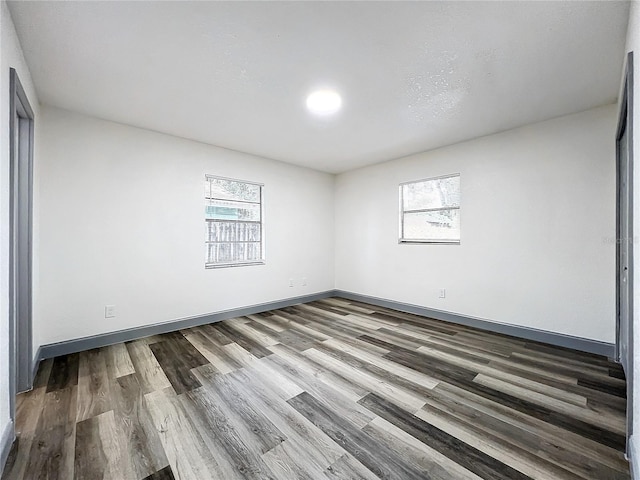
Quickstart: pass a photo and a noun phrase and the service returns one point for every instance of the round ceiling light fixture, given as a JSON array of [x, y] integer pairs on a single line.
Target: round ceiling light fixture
[[324, 102]]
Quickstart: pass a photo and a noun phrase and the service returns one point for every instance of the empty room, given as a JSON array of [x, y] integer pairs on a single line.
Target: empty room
[[346, 240]]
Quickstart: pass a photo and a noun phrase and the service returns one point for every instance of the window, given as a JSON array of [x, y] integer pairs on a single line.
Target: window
[[430, 210], [233, 217]]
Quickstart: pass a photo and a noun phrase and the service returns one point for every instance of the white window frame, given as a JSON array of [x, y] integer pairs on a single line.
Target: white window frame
[[402, 211], [208, 264]]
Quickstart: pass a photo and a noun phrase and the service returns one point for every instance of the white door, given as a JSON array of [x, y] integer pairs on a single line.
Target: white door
[[625, 244]]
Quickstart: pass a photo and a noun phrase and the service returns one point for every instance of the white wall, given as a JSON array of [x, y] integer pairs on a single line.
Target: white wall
[[538, 221], [10, 56], [633, 44], [122, 223]]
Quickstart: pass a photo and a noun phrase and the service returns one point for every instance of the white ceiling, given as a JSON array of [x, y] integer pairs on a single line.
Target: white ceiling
[[414, 76]]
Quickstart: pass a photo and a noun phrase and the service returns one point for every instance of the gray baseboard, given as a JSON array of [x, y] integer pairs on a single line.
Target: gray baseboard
[[87, 343], [6, 440], [633, 455], [35, 364], [558, 339], [95, 341]]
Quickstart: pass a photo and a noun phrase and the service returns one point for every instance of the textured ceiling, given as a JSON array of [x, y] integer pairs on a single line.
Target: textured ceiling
[[413, 76]]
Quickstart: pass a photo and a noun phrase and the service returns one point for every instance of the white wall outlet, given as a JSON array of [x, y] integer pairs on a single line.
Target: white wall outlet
[[109, 311], [443, 293], [304, 281], [291, 282]]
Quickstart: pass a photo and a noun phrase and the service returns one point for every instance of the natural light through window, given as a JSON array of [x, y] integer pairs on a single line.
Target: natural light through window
[[233, 218], [430, 210]]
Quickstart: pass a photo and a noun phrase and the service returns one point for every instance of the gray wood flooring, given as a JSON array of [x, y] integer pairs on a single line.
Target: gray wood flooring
[[332, 389]]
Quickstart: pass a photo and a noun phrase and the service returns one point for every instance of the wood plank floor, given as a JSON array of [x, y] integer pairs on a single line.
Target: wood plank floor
[[332, 389]]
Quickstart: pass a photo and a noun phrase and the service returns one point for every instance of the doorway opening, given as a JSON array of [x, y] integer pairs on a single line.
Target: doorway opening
[[21, 139], [624, 235]]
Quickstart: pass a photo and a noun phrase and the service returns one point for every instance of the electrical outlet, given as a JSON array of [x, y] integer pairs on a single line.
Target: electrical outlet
[[304, 281], [443, 293], [109, 311], [291, 282]]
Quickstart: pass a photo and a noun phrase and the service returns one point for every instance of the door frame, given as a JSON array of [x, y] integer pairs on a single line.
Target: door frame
[[21, 141], [625, 123]]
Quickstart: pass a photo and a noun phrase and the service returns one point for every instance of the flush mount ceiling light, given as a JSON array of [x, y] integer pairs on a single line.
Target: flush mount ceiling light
[[324, 102]]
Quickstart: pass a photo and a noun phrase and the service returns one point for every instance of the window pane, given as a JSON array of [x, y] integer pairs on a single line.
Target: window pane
[[232, 252], [233, 190], [233, 222], [219, 252], [232, 231], [438, 225], [247, 252], [228, 210], [435, 193]]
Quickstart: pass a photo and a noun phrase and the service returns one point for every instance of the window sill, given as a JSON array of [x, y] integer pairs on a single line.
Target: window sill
[[237, 264], [429, 242]]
